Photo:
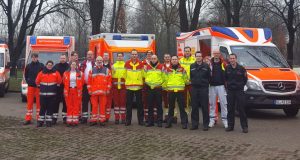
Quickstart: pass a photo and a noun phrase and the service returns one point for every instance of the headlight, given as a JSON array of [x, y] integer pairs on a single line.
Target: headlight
[[254, 85]]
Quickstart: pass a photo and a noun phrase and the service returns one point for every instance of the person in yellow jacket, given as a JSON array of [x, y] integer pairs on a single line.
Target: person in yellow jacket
[[134, 84], [154, 78], [118, 89], [186, 62], [176, 79]]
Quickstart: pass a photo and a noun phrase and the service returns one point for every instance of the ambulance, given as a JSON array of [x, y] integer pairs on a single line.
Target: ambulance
[[272, 83], [4, 69], [48, 48], [114, 43]]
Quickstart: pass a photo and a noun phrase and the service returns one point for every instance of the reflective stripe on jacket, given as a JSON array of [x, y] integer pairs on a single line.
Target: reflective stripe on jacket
[[175, 79], [118, 75], [154, 76], [79, 82], [134, 75], [99, 82], [48, 81]]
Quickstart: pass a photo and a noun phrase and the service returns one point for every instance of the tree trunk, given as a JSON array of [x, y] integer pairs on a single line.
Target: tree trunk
[[227, 6], [168, 26], [290, 47], [117, 16], [184, 24], [112, 23], [195, 20], [237, 4], [96, 13]]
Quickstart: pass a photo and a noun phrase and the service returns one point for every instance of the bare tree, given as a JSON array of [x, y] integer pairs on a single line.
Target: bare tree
[[112, 23], [96, 13], [168, 10], [288, 11], [232, 8], [29, 13], [194, 18]]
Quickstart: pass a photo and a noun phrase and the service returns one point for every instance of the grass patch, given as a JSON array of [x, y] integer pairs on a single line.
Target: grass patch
[[15, 82]]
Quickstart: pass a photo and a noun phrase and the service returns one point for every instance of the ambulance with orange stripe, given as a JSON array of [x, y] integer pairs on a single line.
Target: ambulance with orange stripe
[[272, 83], [4, 68], [48, 48], [113, 43]]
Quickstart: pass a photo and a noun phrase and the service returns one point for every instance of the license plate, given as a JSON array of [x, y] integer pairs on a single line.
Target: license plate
[[283, 102]]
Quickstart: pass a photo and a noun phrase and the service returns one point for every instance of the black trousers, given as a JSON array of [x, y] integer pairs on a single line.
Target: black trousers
[[179, 96], [199, 98], [129, 102], [85, 102], [154, 97], [236, 98], [60, 98], [46, 111]]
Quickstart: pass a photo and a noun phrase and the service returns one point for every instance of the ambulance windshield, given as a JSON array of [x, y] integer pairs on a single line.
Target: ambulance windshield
[[46, 56], [1, 59], [259, 56], [127, 56]]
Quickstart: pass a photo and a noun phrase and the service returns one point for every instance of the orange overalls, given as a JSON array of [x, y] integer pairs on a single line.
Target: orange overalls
[[99, 85], [73, 96]]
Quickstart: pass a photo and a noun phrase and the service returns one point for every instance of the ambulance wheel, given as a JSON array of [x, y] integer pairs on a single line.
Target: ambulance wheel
[[24, 98], [291, 112], [7, 87], [2, 91]]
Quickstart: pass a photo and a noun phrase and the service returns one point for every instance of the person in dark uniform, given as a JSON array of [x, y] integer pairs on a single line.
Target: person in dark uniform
[[200, 78], [61, 67], [236, 78]]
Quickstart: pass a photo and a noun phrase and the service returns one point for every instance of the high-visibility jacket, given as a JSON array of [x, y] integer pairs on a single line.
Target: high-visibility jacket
[[165, 67], [134, 75], [48, 81], [118, 75], [175, 79], [79, 82], [186, 63], [154, 76], [99, 82]]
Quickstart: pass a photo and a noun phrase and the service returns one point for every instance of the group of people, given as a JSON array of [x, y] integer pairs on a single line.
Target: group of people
[[149, 83]]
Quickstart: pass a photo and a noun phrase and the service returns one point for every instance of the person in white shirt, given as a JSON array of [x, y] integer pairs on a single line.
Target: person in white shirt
[[85, 68]]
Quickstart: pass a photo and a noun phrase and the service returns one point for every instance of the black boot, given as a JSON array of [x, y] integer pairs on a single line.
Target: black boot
[[54, 121], [117, 121], [65, 120], [39, 124], [27, 123], [49, 124]]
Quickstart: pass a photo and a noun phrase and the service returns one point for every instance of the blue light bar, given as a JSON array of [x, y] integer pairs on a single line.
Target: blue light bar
[[144, 38], [67, 40], [117, 37], [32, 40]]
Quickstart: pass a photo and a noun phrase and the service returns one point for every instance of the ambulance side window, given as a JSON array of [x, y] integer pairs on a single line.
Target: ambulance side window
[[224, 52]]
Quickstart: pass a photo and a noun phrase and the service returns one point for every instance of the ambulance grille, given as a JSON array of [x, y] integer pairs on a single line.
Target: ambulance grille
[[279, 86]]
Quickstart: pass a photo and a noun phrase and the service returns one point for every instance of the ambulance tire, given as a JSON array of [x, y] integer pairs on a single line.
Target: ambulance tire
[[291, 112], [7, 87], [24, 98], [2, 91]]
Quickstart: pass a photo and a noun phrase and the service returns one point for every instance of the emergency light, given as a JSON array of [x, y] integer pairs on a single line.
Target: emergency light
[[32, 40], [67, 40]]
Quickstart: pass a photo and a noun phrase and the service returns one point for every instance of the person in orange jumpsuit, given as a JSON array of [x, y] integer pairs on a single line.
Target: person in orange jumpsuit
[[30, 74], [73, 81], [99, 85], [48, 80]]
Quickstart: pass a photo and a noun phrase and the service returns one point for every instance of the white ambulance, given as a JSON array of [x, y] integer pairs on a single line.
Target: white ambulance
[[272, 83], [4, 69]]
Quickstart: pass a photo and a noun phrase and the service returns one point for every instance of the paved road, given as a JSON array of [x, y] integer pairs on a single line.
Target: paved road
[[271, 136]]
